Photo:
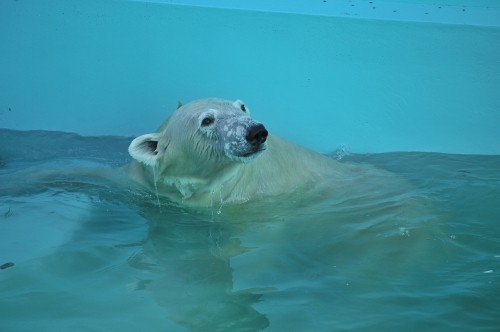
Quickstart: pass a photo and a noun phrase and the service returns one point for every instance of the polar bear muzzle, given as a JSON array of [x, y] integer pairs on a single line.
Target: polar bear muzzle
[[244, 139]]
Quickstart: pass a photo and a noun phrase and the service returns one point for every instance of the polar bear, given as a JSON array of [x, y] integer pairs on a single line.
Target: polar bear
[[211, 149]]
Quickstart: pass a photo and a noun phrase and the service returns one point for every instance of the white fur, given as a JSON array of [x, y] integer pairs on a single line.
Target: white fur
[[194, 161]]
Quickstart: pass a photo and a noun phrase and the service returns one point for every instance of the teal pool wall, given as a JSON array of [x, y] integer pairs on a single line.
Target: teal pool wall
[[325, 77]]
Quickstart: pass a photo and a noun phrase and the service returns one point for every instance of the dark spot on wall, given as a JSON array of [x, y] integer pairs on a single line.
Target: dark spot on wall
[[6, 265], [8, 213]]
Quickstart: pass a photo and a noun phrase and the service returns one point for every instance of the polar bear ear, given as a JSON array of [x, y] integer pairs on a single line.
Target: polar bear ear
[[144, 149]]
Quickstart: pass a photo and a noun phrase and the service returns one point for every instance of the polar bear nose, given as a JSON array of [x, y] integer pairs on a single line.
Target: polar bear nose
[[257, 134]]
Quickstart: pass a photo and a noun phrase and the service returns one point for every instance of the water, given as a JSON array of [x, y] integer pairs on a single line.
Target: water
[[90, 251]]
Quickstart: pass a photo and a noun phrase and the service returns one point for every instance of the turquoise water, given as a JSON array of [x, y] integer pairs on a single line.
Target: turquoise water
[[82, 253]]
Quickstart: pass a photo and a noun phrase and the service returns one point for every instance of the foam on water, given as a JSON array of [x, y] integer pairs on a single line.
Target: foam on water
[[421, 253]]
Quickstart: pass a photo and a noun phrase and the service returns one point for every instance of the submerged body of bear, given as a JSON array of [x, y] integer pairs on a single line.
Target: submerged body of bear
[[212, 149]]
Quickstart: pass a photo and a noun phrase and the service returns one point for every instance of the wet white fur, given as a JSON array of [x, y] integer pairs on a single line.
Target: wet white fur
[[195, 162]]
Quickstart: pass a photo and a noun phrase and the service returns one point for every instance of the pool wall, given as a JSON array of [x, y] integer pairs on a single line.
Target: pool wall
[[367, 80]]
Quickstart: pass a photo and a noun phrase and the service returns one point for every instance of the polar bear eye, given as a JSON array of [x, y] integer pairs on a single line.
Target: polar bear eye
[[243, 108], [207, 121]]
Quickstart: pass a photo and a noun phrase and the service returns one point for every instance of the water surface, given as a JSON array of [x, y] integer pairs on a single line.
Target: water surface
[[81, 252]]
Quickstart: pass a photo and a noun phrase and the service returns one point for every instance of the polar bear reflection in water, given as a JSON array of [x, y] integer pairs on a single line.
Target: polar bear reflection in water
[[284, 207]]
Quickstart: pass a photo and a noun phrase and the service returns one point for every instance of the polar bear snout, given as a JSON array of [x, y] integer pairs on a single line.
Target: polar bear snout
[[244, 139], [256, 134]]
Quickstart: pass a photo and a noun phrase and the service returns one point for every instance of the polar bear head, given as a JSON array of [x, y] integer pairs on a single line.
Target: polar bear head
[[201, 138]]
